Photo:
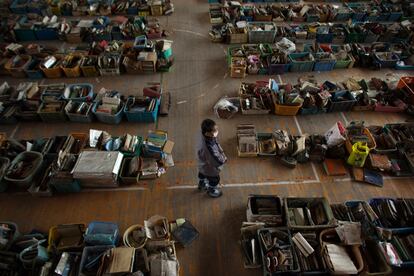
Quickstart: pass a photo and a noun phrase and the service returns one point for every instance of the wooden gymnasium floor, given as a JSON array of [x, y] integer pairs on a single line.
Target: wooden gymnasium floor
[[198, 79]]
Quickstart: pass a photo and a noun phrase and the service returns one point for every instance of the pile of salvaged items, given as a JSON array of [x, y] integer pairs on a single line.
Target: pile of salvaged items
[[370, 151], [95, 7], [234, 11], [308, 96], [286, 56], [98, 58], [310, 235], [78, 102], [66, 164], [96, 249]]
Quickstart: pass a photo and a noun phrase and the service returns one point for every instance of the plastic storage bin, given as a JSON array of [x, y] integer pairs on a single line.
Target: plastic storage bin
[[4, 164], [55, 71], [75, 71], [18, 70], [145, 116], [46, 34], [89, 70], [322, 63], [109, 118], [52, 116], [88, 97], [282, 234], [385, 59], [33, 70], [79, 118], [35, 158], [298, 65], [91, 259], [72, 232], [337, 105], [290, 203], [102, 233], [261, 36]]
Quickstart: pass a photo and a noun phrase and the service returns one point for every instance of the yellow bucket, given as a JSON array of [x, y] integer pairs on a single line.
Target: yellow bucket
[[358, 155]]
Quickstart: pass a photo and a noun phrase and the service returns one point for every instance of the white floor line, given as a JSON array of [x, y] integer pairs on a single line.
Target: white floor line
[[344, 118], [238, 185], [14, 131], [297, 124], [343, 179], [190, 32], [315, 173]]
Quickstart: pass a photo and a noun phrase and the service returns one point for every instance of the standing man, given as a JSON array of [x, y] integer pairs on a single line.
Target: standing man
[[211, 159]]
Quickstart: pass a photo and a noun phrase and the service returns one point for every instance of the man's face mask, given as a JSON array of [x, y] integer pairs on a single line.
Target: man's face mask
[[215, 133]]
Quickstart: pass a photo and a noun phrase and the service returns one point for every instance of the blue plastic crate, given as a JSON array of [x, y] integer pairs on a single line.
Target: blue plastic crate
[[278, 69], [395, 16], [89, 97], [91, 257], [33, 70], [146, 117], [132, 11], [25, 34], [140, 42], [47, 34], [324, 65], [300, 66], [19, 6], [375, 201], [324, 38], [109, 118], [102, 233]]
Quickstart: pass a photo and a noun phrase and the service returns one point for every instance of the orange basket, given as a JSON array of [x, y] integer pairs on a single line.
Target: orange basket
[[55, 71], [371, 144], [285, 110], [73, 72], [18, 71]]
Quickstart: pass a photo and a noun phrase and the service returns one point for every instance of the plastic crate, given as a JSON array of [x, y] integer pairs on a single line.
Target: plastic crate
[[25, 34], [278, 69], [324, 64], [18, 72], [386, 63], [33, 70], [89, 97], [46, 34], [70, 232], [35, 158], [256, 36], [282, 233], [255, 202], [4, 164], [312, 110], [109, 118], [79, 118], [374, 202], [75, 71], [299, 202], [301, 66], [89, 70], [337, 106], [287, 110], [407, 84], [91, 254], [127, 180], [371, 144], [19, 6], [52, 117], [15, 230], [102, 233], [55, 72], [146, 117]]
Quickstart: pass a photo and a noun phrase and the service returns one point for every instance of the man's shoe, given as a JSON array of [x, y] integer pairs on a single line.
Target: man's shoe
[[202, 185], [214, 192]]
